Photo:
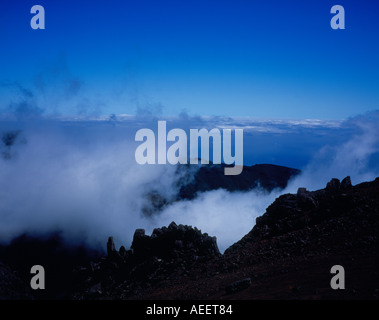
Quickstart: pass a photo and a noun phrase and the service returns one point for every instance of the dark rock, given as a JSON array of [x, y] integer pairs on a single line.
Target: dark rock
[[301, 191], [306, 209], [346, 183], [172, 225], [139, 233], [178, 244], [110, 246], [238, 286], [173, 241], [12, 287], [305, 199], [141, 243], [57, 257], [150, 259], [285, 252], [333, 185], [123, 252]]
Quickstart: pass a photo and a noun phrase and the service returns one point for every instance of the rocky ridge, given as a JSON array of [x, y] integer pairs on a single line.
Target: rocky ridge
[[288, 254], [150, 260]]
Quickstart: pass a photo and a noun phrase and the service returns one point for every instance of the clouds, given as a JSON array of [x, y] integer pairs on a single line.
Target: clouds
[[354, 157], [80, 177], [52, 91], [227, 215]]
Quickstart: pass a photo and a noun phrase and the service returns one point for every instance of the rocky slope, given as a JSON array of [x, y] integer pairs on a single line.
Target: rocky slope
[[287, 255], [57, 257], [11, 285], [149, 261]]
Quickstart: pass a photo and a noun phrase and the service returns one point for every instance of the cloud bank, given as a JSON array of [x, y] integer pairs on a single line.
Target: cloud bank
[[81, 178]]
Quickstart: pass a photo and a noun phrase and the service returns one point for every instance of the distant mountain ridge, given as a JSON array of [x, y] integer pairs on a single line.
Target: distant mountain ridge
[[211, 177], [194, 181]]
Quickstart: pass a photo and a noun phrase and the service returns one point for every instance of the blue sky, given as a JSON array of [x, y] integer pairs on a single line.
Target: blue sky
[[253, 65], [264, 59]]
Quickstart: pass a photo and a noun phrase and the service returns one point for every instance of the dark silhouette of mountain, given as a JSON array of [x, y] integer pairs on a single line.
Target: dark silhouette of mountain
[[195, 180], [212, 177]]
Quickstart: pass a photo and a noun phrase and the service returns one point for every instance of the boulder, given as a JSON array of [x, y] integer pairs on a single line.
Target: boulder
[[333, 186], [346, 183], [174, 241], [238, 285], [110, 246], [305, 199]]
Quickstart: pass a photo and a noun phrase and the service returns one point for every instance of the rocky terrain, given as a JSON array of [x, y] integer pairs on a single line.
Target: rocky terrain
[[57, 257], [288, 254], [11, 285]]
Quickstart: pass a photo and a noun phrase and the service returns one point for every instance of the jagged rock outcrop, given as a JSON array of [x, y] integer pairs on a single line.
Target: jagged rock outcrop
[[287, 254], [174, 241], [289, 212], [111, 248], [346, 183], [149, 260]]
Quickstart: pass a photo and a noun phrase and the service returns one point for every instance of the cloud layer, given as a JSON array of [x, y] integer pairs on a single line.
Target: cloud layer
[[80, 177]]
